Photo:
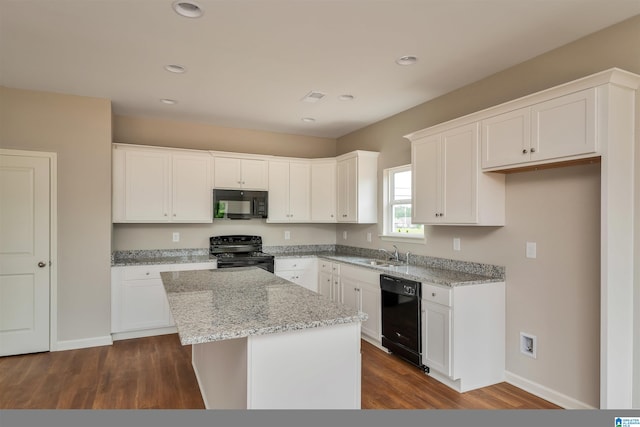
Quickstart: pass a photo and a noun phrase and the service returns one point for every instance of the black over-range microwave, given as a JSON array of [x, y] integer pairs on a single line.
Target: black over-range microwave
[[240, 204]]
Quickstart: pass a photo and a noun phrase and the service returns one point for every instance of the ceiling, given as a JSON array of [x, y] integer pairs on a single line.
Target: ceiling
[[249, 63]]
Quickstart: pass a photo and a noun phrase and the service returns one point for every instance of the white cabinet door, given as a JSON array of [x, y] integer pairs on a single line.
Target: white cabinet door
[[448, 186], [227, 173], [278, 191], [289, 191], [323, 191], [425, 176], [564, 126], [371, 303], [247, 174], [192, 192], [506, 138], [299, 197], [301, 271], [147, 190], [459, 174], [161, 185], [351, 293], [325, 281], [347, 189], [254, 174], [436, 337]]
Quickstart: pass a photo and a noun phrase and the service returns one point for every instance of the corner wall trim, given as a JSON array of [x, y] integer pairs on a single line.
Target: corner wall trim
[[82, 343], [546, 393]]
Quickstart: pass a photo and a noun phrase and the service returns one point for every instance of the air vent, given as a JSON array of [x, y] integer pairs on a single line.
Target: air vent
[[313, 96]]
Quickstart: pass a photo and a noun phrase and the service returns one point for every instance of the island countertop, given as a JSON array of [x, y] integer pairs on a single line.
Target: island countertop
[[214, 305]]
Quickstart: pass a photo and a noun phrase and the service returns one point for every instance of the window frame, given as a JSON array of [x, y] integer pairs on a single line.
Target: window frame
[[389, 202]]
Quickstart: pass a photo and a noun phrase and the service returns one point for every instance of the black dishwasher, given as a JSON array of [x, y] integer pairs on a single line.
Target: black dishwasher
[[401, 318]]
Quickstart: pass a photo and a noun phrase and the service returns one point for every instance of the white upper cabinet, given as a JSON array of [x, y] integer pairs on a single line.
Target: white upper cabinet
[[560, 128], [357, 189], [289, 185], [448, 185], [161, 185], [235, 173], [323, 191]]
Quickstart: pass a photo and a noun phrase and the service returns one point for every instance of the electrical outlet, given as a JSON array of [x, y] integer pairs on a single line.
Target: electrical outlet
[[531, 250], [456, 243], [176, 237], [287, 235], [368, 236], [344, 235]]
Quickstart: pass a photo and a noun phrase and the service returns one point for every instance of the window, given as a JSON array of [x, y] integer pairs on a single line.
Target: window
[[397, 197]]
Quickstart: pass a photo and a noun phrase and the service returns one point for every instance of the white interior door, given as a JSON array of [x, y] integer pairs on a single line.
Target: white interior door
[[24, 254]]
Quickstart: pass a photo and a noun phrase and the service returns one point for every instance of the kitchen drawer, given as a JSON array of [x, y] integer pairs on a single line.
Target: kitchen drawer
[[437, 294], [324, 265], [144, 272], [282, 264]]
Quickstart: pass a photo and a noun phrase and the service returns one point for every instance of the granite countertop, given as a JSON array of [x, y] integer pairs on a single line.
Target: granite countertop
[[214, 305], [420, 273], [161, 256]]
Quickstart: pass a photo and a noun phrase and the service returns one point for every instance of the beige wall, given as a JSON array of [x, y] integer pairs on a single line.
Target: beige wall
[[556, 296], [180, 134], [79, 130]]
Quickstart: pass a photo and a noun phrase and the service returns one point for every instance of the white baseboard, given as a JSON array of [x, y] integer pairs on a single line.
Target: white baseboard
[[143, 333], [546, 393], [82, 343]]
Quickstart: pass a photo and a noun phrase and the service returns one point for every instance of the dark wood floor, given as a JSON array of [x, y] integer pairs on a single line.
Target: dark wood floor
[[155, 372]]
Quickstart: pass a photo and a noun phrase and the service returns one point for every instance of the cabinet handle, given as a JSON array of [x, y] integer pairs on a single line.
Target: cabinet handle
[[533, 150], [524, 151]]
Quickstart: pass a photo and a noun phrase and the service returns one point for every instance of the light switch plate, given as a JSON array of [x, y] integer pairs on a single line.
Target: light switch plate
[[287, 235], [456, 243], [531, 250], [344, 235], [368, 236], [176, 237]]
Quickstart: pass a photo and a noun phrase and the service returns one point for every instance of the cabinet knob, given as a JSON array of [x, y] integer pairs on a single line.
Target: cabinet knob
[[433, 294], [42, 264], [533, 150], [147, 273], [166, 215], [524, 151], [174, 214], [331, 215]]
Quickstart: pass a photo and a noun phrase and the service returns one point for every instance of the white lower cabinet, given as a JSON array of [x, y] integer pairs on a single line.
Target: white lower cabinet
[[361, 290], [329, 280], [463, 334], [139, 304], [301, 271]]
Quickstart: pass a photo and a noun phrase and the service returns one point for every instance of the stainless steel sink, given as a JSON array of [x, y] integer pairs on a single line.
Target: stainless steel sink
[[378, 263]]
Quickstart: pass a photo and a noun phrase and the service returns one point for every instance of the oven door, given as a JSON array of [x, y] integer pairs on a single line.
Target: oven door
[[265, 264]]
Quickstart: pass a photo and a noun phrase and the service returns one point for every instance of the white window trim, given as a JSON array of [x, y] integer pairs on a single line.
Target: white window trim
[[387, 215]]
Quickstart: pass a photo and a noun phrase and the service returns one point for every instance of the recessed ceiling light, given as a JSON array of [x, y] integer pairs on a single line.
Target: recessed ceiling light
[[175, 68], [308, 119], [406, 60], [346, 97], [168, 101], [188, 9]]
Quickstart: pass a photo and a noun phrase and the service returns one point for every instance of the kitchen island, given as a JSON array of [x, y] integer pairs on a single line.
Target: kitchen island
[[262, 342]]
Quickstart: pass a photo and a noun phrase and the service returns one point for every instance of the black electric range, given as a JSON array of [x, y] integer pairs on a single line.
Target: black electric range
[[240, 251]]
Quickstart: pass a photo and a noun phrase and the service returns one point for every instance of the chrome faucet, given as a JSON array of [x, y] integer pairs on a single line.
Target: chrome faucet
[[386, 252], [394, 256]]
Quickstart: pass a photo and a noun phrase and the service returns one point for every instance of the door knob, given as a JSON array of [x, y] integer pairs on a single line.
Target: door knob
[[42, 264]]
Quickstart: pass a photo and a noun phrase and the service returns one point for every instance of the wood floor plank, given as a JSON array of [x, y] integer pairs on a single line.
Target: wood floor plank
[[156, 373]]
